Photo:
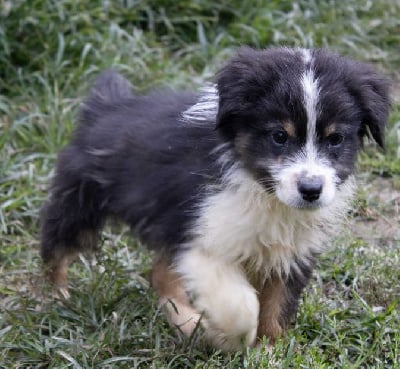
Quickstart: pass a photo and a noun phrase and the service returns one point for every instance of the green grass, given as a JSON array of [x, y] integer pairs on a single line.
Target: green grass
[[49, 52]]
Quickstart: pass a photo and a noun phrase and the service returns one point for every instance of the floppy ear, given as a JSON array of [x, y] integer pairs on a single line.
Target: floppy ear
[[372, 90], [236, 84], [245, 80]]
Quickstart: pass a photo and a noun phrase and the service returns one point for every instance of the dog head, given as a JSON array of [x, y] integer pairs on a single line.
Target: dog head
[[296, 119]]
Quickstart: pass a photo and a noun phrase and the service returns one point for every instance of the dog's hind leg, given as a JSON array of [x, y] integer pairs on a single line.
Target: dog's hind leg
[[58, 253], [70, 222], [173, 297]]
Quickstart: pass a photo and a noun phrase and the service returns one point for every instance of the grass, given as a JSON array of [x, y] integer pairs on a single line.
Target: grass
[[49, 51]]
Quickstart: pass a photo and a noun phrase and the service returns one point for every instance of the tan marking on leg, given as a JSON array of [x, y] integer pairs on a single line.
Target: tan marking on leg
[[56, 269], [173, 297], [272, 298], [56, 272]]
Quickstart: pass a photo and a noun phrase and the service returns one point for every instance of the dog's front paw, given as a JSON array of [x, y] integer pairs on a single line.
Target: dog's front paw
[[230, 317], [220, 291]]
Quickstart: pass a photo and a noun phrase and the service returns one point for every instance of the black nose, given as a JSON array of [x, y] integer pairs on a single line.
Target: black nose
[[310, 188]]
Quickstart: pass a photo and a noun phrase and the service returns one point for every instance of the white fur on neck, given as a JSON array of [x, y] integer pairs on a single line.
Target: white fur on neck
[[242, 223]]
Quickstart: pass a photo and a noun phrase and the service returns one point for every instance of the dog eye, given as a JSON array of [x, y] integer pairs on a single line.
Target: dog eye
[[280, 137], [335, 139]]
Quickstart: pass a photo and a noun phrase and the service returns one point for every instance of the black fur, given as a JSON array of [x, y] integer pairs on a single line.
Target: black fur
[[133, 159]]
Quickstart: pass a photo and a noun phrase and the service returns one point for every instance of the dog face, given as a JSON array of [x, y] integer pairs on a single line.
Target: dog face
[[297, 118]]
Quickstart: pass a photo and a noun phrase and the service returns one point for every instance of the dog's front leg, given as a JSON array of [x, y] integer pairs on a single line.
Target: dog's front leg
[[279, 299], [272, 303], [173, 297], [221, 292]]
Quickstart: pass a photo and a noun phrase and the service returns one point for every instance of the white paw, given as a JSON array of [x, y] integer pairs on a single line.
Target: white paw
[[181, 316], [230, 318], [222, 294]]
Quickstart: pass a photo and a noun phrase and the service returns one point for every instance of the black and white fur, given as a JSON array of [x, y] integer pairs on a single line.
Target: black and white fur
[[237, 189]]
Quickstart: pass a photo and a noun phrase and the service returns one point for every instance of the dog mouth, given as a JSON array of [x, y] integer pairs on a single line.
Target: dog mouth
[[306, 205]]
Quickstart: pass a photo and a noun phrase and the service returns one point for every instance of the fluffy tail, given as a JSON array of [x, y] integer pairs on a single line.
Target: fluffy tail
[[109, 89]]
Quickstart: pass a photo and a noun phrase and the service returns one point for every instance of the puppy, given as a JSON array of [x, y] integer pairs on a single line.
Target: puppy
[[236, 189]]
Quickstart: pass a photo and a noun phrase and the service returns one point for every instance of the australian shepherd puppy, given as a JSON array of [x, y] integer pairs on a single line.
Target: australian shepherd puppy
[[237, 189]]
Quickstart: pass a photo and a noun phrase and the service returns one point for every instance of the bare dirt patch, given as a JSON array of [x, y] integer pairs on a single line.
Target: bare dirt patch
[[378, 218]]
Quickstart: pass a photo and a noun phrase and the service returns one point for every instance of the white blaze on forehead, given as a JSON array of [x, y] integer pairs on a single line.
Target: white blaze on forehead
[[310, 97], [308, 162]]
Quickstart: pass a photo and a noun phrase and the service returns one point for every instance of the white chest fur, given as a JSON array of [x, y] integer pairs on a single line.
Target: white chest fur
[[242, 223]]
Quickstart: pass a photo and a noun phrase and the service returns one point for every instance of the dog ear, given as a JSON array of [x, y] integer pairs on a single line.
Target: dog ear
[[372, 91], [238, 87], [248, 78]]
